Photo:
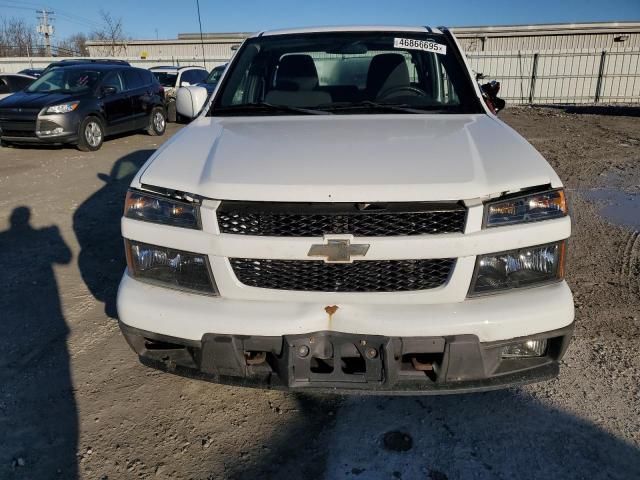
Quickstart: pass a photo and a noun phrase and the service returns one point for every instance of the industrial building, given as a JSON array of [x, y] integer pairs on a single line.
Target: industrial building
[[525, 38], [551, 63], [217, 48], [559, 63]]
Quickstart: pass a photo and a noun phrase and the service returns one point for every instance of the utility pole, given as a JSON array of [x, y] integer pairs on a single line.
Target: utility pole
[[45, 28], [204, 60]]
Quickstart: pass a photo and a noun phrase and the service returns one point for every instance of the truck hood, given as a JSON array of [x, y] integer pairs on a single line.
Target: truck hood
[[347, 158]]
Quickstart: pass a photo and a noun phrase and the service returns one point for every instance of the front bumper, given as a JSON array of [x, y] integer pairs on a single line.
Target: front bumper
[[40, 130], [490, 318], [350, 363]]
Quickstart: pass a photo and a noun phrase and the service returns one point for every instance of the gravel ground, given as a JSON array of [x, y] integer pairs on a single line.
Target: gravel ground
[[75, 403]]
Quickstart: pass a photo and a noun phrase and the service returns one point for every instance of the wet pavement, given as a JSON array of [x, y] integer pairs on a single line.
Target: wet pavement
[[617, 205]]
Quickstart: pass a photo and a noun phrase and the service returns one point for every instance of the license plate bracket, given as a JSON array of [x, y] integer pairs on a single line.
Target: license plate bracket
[[333, 357]]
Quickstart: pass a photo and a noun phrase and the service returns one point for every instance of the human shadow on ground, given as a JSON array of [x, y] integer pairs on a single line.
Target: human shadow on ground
[[96, 223], [503, 434], [38, 415]]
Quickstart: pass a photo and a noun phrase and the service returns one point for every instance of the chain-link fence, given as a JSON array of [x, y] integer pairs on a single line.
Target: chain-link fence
[[564, 77]]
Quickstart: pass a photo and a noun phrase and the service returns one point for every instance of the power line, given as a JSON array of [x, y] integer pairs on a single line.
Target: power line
[[68, 16], [15, 7]]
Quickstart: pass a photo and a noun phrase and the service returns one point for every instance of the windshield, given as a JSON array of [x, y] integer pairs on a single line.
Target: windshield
[[66, 80], [166, 79], [215, 75], [347, 73]]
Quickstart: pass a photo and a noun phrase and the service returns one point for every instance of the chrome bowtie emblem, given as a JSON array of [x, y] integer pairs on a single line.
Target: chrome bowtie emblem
[[338, 251]]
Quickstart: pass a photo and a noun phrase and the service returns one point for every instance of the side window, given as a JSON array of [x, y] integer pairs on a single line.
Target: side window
[[185, 77], [4, 86], [200, 75], [149, 78], [114, 80], [193, 77], [132, 79], [19, 83]]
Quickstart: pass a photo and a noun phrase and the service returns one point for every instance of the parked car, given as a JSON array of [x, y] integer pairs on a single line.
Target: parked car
[[214, 77], [172, 78], [32, 72], [82, 104], [85, 61], [347, 214], [13, 82]]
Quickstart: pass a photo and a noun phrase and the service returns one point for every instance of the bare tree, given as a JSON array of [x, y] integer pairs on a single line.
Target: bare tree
[[17, 38], [111, 33], [74, 45]]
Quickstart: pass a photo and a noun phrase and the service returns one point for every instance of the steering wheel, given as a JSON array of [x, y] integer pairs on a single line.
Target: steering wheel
[[418, 92]]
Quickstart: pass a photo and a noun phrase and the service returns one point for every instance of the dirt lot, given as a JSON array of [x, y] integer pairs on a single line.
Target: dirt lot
[[74, 401]]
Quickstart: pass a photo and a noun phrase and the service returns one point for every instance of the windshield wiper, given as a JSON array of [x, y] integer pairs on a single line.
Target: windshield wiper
[[267, 107], [394, 107]]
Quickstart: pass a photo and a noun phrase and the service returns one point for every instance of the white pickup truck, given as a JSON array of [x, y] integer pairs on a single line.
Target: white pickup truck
[[346, 213]]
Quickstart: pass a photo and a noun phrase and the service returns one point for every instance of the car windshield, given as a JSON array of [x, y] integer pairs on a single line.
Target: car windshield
[[66, 80], [166, 79], [215, 75], [347, 73]]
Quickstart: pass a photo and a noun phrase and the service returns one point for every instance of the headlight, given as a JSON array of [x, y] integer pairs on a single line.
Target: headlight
[[62, 108], [526, 208], [157, 209], [518, 268], [169, 268]]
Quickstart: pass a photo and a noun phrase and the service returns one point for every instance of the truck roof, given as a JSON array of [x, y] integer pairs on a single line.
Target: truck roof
[[352, 28]]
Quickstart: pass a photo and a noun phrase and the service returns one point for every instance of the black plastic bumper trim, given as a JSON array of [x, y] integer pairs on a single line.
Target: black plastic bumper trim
[[461, 363]]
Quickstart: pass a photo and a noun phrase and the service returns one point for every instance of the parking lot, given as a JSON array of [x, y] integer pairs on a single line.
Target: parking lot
[[75, 401]]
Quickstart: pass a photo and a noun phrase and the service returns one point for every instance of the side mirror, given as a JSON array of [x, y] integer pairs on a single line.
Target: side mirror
[[490, 95], [190, 100], [107, 90], [184, 83], [104, 177]]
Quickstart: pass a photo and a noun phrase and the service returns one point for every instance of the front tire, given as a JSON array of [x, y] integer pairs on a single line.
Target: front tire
[[157, 122], [90, 134]]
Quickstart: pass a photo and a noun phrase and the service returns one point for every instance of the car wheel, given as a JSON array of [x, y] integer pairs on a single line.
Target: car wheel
[[90, 134], [172, 112], [157, 122]]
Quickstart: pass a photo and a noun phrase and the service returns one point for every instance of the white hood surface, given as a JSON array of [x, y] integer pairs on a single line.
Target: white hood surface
[[347, 158]]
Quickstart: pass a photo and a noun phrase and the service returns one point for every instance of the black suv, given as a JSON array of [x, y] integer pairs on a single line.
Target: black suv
[[82, 104]]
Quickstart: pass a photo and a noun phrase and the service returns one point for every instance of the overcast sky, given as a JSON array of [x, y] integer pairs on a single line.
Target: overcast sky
[[143, 18]]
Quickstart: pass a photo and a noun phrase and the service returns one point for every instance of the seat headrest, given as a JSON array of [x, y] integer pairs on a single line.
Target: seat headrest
[[387, 70], [297, 72]]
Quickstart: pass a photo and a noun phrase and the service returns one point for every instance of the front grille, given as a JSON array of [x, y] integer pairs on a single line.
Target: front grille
[[18, 122], [19, 129], [360, 276], [18, 114], [18, 133], [318, 219]]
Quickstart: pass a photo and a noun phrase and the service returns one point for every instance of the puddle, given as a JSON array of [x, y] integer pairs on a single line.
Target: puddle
[[616, 205]]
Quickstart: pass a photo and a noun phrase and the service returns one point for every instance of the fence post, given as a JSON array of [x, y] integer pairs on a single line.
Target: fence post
[[603, 58], [534, 73]]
